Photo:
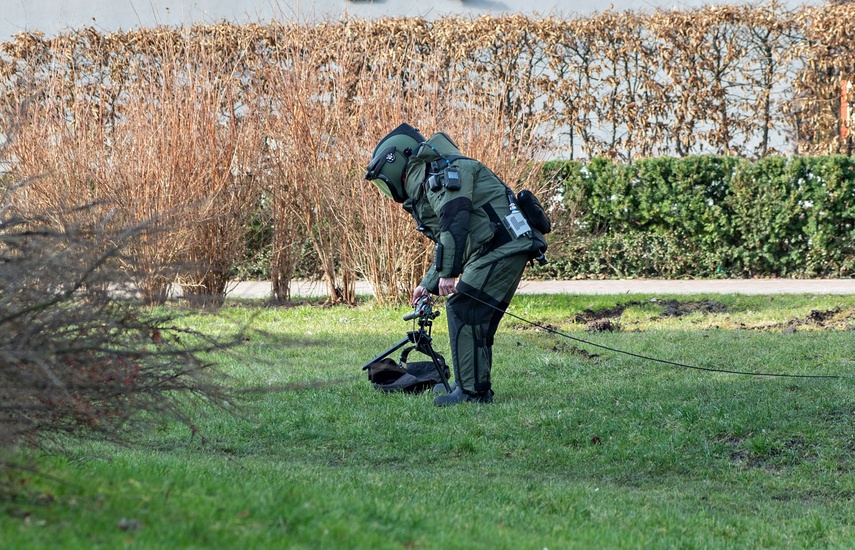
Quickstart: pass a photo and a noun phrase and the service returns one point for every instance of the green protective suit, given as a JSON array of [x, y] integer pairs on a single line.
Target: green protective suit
[[473, 244]]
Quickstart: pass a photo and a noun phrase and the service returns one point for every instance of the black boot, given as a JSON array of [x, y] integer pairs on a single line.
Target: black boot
[[460, 396]]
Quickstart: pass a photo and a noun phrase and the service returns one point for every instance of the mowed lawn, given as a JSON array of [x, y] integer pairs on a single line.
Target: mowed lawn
[[584, 447]]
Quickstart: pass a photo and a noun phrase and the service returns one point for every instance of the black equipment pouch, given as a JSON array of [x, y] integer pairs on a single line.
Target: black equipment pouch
[[526, 206], [434, 183], [437, 256], [449, 177], [452, 178], [533, 211]]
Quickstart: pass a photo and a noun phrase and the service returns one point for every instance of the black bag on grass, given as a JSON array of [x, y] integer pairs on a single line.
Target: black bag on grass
[[407, 376]]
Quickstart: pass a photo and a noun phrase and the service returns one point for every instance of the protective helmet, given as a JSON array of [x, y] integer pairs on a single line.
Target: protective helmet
[[389, 161]]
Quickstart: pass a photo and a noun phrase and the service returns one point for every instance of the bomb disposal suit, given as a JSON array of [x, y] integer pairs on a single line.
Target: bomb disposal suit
[[463, 207]]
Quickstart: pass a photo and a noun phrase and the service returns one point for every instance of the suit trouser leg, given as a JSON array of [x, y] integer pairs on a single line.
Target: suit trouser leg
[[484, 292]]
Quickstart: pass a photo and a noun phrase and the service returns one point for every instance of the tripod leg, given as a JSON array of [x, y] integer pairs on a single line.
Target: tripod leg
[[426, 347]]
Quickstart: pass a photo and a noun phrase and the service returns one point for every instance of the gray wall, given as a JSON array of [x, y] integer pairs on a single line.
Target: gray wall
[[53, 16]]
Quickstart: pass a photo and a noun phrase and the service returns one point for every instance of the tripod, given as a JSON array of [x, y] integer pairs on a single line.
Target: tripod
[[421, 338]]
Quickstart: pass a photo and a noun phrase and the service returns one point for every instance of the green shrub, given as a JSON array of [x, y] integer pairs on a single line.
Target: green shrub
[[704, 216]]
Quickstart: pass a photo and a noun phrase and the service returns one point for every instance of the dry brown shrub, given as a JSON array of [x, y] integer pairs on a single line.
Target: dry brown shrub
[[176, 146], [189, 126], [76, 359], [827, 60], [336, 102]]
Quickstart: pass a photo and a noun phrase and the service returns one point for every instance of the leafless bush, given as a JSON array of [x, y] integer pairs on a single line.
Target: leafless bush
[[163, 133], [341, 98], [188, 126], [829, 63], [76, 358]]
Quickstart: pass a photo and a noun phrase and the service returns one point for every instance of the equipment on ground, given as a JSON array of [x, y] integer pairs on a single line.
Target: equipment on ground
[[386, 375]]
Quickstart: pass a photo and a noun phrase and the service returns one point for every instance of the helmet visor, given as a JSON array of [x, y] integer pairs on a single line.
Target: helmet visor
[[374, 172], [383, 185]]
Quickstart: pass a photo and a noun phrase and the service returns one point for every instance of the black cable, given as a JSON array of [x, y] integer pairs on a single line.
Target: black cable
[[654, 359]]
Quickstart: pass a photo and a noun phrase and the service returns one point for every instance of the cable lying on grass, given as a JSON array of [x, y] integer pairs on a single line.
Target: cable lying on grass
[[664, 361]]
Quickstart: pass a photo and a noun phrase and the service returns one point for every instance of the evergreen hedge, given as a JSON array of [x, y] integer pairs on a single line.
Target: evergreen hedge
[[703, 216]]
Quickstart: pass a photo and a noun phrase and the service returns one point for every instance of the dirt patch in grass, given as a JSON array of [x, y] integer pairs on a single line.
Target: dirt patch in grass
[[603, 319], [815, 318], [676, 308], [607, 319], [670, 308], [590, 315], [829, 319], [602, 325]]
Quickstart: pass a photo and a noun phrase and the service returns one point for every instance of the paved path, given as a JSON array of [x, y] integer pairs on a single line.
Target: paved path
[[252, 289]]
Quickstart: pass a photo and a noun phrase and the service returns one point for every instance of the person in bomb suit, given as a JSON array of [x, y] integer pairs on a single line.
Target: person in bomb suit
[[479, 258]]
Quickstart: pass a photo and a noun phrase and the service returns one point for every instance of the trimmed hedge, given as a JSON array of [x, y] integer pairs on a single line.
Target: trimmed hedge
[[703, 216]]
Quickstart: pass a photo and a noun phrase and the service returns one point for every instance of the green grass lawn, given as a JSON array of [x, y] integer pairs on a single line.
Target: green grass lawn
[[583, 447]]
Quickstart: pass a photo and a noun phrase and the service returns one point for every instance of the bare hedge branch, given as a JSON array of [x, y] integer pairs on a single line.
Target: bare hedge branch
[[193, 126], [76, 358]]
